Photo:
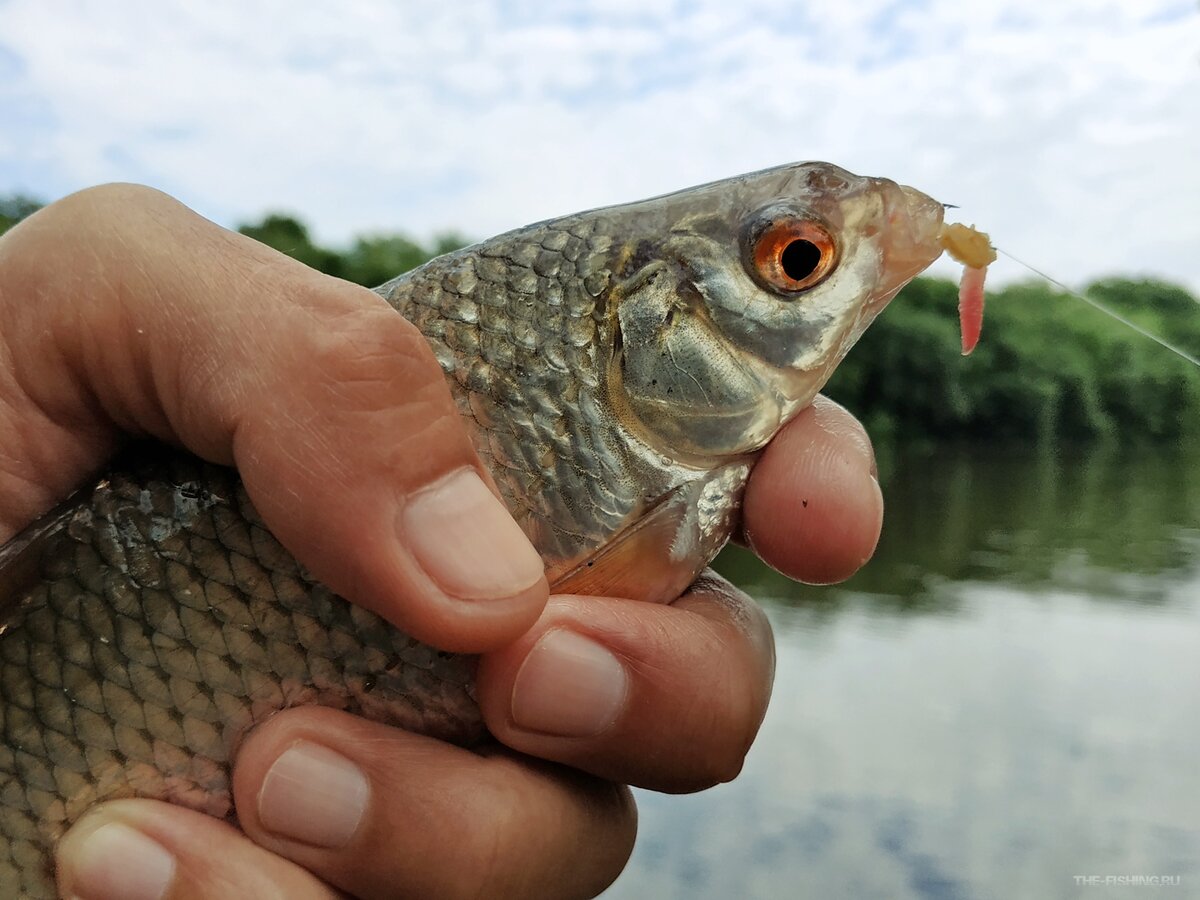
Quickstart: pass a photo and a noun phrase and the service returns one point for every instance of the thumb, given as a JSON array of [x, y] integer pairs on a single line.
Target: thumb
[[123, 311]]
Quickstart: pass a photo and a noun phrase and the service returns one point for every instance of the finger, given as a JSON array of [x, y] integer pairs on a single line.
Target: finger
[[663, 697], [331, 405], [146, 850], [381, 812], [813, 508]]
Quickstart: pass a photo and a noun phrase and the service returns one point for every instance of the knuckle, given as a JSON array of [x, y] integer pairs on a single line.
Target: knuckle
[[587, 833], [118, 195], [93, 214], [101, 230], [727, 764], [729, 690], [381, 345], [362, 345], [108, 209], [375, 373], [719, 752], [495, 857]]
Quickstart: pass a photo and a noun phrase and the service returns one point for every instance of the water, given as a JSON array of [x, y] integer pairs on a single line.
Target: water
[[1006, 698]]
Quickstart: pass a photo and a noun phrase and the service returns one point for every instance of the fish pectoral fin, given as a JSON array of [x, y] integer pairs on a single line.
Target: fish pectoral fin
[[660, 554], [642, 562], [21, 557]]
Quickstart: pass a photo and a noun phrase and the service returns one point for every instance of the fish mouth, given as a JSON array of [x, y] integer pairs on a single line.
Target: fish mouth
[[908, 226], [913, 222]]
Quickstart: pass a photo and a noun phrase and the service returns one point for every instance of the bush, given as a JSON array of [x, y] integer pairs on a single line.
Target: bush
[[1049, 368]]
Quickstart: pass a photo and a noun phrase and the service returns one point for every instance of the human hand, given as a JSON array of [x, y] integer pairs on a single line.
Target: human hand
[[122, 312]]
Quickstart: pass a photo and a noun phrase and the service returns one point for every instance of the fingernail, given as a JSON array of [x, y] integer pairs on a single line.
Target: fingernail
[[115, 862], [465, 540], [313, 795], [569, 686]]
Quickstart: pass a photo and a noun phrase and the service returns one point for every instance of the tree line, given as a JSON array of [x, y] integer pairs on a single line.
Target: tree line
[[1049, 369]]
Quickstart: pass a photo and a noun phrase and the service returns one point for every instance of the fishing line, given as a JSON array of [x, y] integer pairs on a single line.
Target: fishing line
[[1096, 304]]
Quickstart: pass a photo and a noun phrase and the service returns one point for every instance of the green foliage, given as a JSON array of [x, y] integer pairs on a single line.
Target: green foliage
[[1049, 368], [373, 260], [14, 208], [290, 236], [370, 261]]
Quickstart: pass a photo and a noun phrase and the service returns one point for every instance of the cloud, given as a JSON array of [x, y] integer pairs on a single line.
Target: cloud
[[1070, 130]]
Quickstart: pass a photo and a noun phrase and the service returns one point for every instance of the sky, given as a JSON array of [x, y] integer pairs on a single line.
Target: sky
[[1069, 129]]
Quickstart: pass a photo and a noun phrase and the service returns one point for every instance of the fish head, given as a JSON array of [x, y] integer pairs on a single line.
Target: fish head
[[736, 300]]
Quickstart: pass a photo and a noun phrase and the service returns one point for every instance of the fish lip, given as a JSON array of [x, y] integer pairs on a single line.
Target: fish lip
[[920, 218], [912, 222]]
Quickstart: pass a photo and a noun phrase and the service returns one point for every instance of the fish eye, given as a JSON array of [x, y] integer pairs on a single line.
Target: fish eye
[[792, 255]]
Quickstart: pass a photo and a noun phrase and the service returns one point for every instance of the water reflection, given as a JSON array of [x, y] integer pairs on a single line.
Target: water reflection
[[1113, 525], [1007, 697]]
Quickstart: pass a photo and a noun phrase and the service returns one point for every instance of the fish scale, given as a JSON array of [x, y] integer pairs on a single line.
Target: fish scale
[[510, 306], [151, 620], [156, 639]]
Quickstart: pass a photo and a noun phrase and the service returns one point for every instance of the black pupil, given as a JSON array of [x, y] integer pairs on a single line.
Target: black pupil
[[800, 259]]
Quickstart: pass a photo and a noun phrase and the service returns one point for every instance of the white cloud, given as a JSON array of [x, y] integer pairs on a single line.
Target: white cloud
[[1070, 130]]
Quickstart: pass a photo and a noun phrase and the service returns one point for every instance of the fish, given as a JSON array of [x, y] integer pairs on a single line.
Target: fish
[[618, 371]]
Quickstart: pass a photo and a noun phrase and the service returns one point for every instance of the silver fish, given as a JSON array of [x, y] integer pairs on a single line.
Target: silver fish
[[618, 371]]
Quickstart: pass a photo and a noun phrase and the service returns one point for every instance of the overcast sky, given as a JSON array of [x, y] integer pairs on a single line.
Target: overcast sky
[[1069, 129]]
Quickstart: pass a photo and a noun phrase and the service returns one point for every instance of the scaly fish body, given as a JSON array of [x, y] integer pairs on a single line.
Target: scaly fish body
[[617, 369]]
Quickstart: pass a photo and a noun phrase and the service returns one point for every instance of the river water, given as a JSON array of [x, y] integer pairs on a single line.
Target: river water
[[1005, 703]]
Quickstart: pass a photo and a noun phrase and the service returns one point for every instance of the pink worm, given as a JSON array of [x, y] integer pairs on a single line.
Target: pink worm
[[970, 307]]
